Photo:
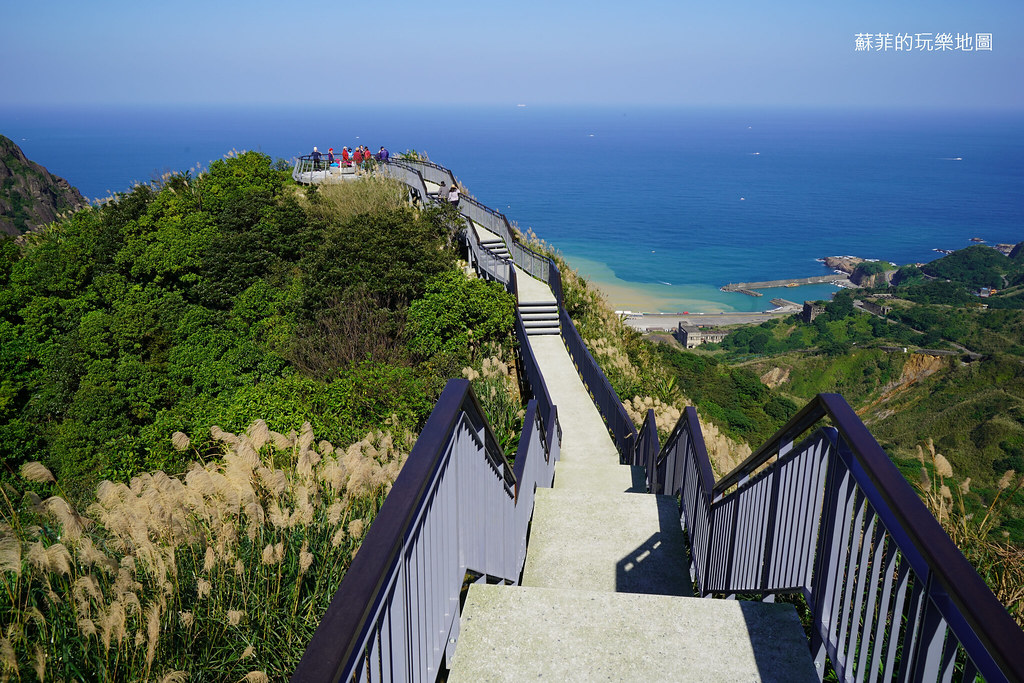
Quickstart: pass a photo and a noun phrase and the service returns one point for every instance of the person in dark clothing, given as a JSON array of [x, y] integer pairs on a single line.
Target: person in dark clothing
[[330, 157], [383, 155], [316, 159]]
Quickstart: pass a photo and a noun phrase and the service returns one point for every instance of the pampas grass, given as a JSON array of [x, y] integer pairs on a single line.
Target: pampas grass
[[998, 562], [165, 573]]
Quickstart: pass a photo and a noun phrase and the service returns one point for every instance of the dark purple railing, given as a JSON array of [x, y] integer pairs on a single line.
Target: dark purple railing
[[456, 507], [831, 518], [646, 453]]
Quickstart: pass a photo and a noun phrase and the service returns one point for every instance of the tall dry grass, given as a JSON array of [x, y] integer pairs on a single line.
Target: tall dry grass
[[976, 533], [221, 574], [496, 385], [337, 202]]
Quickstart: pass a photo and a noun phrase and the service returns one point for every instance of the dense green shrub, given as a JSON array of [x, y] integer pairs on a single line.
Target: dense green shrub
[[456, 312], [192, 303]]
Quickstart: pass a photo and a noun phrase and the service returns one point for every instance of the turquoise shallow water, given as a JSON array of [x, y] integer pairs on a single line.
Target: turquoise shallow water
[[659, 206]]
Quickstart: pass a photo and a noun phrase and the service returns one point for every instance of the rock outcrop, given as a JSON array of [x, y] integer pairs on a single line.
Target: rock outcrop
[[31, 196], [843, 263]]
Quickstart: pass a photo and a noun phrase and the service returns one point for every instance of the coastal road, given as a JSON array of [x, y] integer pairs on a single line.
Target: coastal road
[[669, 321]]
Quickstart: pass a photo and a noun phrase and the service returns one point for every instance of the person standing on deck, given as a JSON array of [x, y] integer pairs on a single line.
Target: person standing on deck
[[316, 158], [453, 196], [357, 158], [442, 192], [344, 156]]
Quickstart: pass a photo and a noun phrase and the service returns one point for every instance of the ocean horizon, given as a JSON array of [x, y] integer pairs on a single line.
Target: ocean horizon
[[659, 207]]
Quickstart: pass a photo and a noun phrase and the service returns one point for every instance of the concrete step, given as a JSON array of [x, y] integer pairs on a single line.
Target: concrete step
[[497, 247], [540, 317], [615, 542], [511, 633], [599, 478], [553, 331], [584, 434]]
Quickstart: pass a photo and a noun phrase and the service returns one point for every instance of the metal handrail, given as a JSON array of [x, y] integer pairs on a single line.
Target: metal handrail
[[832, 518], [360, 636]]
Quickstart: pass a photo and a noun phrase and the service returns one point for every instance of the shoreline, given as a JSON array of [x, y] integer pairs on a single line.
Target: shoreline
[[662, 299]]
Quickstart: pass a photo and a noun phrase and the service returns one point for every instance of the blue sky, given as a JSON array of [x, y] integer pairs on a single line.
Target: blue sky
[[725, 53]]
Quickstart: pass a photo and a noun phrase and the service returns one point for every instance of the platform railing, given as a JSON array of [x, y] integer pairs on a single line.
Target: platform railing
[[832, 519], [408, 175], [431, 172]]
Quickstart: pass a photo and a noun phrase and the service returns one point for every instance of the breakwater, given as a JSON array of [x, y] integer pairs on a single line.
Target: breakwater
[[749, 287]]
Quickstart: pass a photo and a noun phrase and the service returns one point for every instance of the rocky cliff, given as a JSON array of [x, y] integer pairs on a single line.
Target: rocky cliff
[[31, 196]]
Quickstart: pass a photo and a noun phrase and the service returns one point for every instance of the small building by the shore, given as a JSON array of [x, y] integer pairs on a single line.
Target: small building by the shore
[[876, 308], [812, 310], [691, 336]]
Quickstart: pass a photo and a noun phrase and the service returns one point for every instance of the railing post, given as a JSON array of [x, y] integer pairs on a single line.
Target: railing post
[[824, 573], [769, 541]]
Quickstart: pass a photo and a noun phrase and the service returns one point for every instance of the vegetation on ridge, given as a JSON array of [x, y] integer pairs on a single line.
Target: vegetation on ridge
[[198, 305]]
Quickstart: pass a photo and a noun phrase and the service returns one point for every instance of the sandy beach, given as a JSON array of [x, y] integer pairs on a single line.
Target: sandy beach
[[656, 301]]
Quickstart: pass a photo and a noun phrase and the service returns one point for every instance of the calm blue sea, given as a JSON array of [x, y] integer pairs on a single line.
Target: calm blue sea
[[659, 206]]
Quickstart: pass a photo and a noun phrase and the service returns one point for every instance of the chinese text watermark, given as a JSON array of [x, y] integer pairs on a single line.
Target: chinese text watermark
[[922, 42]]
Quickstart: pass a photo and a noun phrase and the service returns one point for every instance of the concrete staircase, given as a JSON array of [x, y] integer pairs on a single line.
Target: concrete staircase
[[606, 591], [539, 317], [496, 245]]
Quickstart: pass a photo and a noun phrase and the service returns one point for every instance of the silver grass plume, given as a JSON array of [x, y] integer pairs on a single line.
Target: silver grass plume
[[281, 442], [305, 436], [152, 631], [58, 558], [259, 434], [37, 472], [59, 510], [7, 656], [355, 527], [180, 441], [39, 661], [305, 558], [219, 434], [10, 555]]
